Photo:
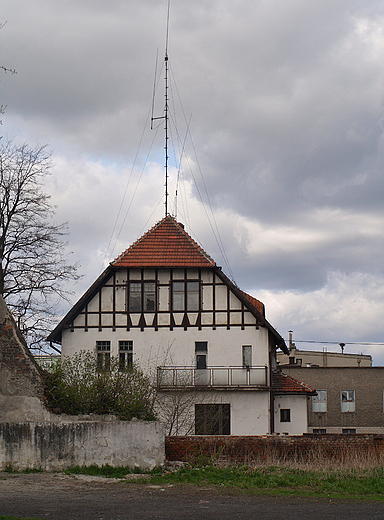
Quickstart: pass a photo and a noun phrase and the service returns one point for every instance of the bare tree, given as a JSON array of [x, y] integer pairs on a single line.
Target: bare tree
[[33, 263]]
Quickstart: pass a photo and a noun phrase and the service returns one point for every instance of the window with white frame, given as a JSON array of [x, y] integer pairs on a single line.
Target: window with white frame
[[125, 354], [103, 351], [319, 401], [347, 400]]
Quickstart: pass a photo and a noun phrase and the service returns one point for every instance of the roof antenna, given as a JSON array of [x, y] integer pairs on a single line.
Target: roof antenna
[[166, 108]]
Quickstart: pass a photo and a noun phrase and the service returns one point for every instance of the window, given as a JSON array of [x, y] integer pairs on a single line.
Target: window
[[247, 356], [142, 297], [125, 354], [349, 430], [319, 401], [285, 415], [201, 348], [185, 296], [319, 430], [347, 400], [103, 349], [212, 419]]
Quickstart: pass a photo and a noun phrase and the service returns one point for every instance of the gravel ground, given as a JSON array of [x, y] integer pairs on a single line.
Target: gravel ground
[[61, 497]]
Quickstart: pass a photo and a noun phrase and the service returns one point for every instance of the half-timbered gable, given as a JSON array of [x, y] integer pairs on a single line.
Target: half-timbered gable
[[165, 303]]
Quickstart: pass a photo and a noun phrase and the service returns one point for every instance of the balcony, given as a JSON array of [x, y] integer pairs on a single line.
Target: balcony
[[169, 378]]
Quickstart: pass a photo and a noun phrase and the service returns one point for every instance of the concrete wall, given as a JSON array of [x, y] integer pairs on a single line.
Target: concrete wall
[[55, 446]]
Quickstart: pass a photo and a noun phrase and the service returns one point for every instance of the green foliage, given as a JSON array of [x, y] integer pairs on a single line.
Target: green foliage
[[75, 386], [359, 483]]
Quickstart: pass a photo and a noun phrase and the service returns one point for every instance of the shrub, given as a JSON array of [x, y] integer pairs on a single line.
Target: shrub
[[75, 386]]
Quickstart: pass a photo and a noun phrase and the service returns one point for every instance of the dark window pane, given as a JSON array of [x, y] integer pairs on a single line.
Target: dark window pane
[[212, 419]]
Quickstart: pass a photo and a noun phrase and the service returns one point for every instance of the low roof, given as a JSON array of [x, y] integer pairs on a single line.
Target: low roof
[[285, 384]]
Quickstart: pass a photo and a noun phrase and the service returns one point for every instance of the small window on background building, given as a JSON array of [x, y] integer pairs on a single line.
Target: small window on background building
[[347, 400], [285, 415], [247, 356], [349, 430], [201, 348], [103, 350], [319, 430], [319, 401], [291, 360], [125, 354]]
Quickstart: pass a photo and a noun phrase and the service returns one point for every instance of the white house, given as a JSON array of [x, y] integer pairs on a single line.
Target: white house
[[165, 304]]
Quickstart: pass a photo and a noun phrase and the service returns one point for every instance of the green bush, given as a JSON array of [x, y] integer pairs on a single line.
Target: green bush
[[75, 385]]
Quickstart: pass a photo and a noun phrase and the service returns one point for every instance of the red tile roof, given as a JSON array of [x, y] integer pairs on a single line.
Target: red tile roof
[[283, 383], [256, 303], [167, 244]]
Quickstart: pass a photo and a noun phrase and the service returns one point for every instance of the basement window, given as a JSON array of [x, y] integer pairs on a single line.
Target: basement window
[[285, 415]]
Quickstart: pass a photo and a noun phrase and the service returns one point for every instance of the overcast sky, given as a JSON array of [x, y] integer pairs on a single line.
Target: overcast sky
[[280, 106]]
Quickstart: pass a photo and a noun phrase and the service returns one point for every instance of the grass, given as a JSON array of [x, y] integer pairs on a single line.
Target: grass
[[343, 483]]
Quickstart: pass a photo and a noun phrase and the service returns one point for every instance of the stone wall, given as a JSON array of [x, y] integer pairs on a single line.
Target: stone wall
[[55, 445], [273, 449], [21, 386]]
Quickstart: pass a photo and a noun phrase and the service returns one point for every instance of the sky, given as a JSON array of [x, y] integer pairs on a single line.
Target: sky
[[276, 142]]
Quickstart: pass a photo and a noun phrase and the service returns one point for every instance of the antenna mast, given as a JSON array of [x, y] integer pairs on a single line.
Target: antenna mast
[[166, 110]]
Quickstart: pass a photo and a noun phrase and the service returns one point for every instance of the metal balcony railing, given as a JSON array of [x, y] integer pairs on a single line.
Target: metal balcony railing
[[214, 377]]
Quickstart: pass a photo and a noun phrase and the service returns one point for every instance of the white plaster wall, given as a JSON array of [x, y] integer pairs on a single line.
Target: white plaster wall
[[298, 406], [249, 410], [176, 347]]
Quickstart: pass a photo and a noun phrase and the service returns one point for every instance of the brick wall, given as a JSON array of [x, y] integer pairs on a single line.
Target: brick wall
[[273, 449]]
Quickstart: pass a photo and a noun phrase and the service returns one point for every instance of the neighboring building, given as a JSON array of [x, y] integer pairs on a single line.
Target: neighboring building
[[165, 304], [46, 361], [348, 400], [322, 359]]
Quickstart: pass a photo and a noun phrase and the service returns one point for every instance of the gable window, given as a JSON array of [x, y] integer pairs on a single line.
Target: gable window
[[142, 297], [247, 356], [103, 351], [285, 415], [212, 419], [201, 348], [319, 401], [125, 354], [347, 400], [185, 296]]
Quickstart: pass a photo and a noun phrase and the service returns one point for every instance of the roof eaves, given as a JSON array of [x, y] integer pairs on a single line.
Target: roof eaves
[[55, 335]]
